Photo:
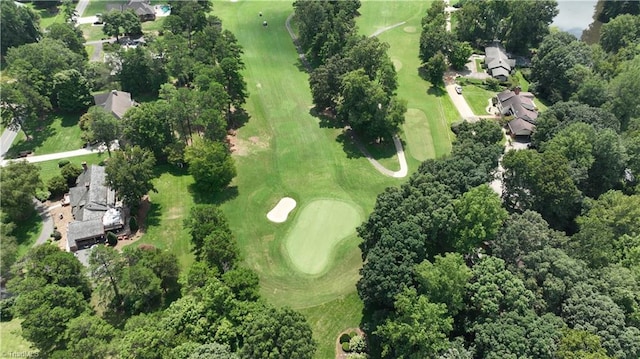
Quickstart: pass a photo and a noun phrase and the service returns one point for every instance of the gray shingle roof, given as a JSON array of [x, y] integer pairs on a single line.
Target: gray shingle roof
[[78, 231], [114, 102]]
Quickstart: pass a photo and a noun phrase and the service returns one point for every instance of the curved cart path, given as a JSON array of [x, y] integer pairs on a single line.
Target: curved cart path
[[404, 169]]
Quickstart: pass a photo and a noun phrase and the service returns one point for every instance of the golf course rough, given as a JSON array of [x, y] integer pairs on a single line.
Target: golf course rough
[[319, 227]]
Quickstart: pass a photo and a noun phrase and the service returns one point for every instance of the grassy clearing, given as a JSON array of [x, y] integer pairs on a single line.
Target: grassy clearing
[[59, 132], [89, 49], [50, 169], [11, 341], [28, 232], [524, 84], [477, 98], [169, 206], [48, 17], [331, 318], [417, 132], [318, 227], [92, 32]]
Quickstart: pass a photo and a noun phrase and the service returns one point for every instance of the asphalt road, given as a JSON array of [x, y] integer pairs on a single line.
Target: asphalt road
[[6, 139]]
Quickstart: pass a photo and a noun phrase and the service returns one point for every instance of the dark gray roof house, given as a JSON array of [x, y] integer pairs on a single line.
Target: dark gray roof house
[[519, 105], [499, 66], [94, 209], [142, 8], [115, 102], [84, 234]]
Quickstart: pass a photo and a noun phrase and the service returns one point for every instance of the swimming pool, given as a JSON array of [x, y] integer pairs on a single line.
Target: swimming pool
[[165, 9]]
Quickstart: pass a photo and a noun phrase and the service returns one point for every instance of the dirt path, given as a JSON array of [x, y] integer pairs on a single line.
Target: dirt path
[[396, 140], [380, 31]]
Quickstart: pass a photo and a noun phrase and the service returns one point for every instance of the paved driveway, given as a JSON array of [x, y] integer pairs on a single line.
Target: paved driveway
[[461, 104]]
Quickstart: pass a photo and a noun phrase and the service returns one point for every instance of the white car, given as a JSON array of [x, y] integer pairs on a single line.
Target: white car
[[459, 89]]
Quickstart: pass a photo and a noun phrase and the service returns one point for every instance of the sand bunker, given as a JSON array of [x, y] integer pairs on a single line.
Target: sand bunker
[[280, 212]]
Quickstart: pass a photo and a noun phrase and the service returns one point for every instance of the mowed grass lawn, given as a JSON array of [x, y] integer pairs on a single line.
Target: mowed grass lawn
[[426, 131], [289, 154], [477, 98], [11, 341], [58, 133]]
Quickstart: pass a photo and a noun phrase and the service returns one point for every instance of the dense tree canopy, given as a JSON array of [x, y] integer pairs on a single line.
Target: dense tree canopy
[[129, 173], [19, 26], [19, 181]]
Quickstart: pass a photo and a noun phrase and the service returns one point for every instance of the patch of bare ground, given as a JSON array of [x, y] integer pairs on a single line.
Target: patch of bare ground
[[341, 354], [242, 147], [141, 217], [61, 217]]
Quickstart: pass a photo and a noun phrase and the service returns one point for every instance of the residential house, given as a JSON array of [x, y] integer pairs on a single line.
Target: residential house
[[520, 106], [142, 8], [115, 102], [94, 208], [498, 64]]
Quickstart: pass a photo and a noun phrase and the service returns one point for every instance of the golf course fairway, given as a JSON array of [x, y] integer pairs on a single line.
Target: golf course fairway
[[317, 229]]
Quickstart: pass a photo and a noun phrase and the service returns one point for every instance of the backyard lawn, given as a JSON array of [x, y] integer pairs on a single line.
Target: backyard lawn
[[477, 97], [50, 169], [60, 132]]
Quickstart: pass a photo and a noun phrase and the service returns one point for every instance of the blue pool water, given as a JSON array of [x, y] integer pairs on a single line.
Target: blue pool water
[[165, 8]]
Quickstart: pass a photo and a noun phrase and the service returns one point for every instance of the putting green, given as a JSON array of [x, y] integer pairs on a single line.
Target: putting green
[[416, 128], [320, 225]]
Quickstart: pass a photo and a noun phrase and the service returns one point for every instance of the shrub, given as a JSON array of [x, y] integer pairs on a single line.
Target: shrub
[[357, 356], [493, 84], [112, 239], [42, 195], [345, 347], [56, 235], [6, 309], [345, 338], [358, 344], [70, 172], [133, 224], [63, 163], [352, 334], [57, 186]]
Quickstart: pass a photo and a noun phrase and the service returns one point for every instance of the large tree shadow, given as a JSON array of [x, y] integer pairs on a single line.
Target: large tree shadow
[[326, 118], [41, 133], [354, 145], [202, 196], [238, 118]]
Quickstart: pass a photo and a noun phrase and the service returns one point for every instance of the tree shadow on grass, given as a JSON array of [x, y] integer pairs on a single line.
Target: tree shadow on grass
[[356, 147], [202, 196], [327, 118], [38, 136], [28, 229], [239, 118], [170, 169], [153, 215], [436, 91]]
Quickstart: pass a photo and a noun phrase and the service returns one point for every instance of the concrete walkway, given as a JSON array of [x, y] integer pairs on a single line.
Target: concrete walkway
[[47, 222], [461, 104], [81, 7], [54, 156]]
